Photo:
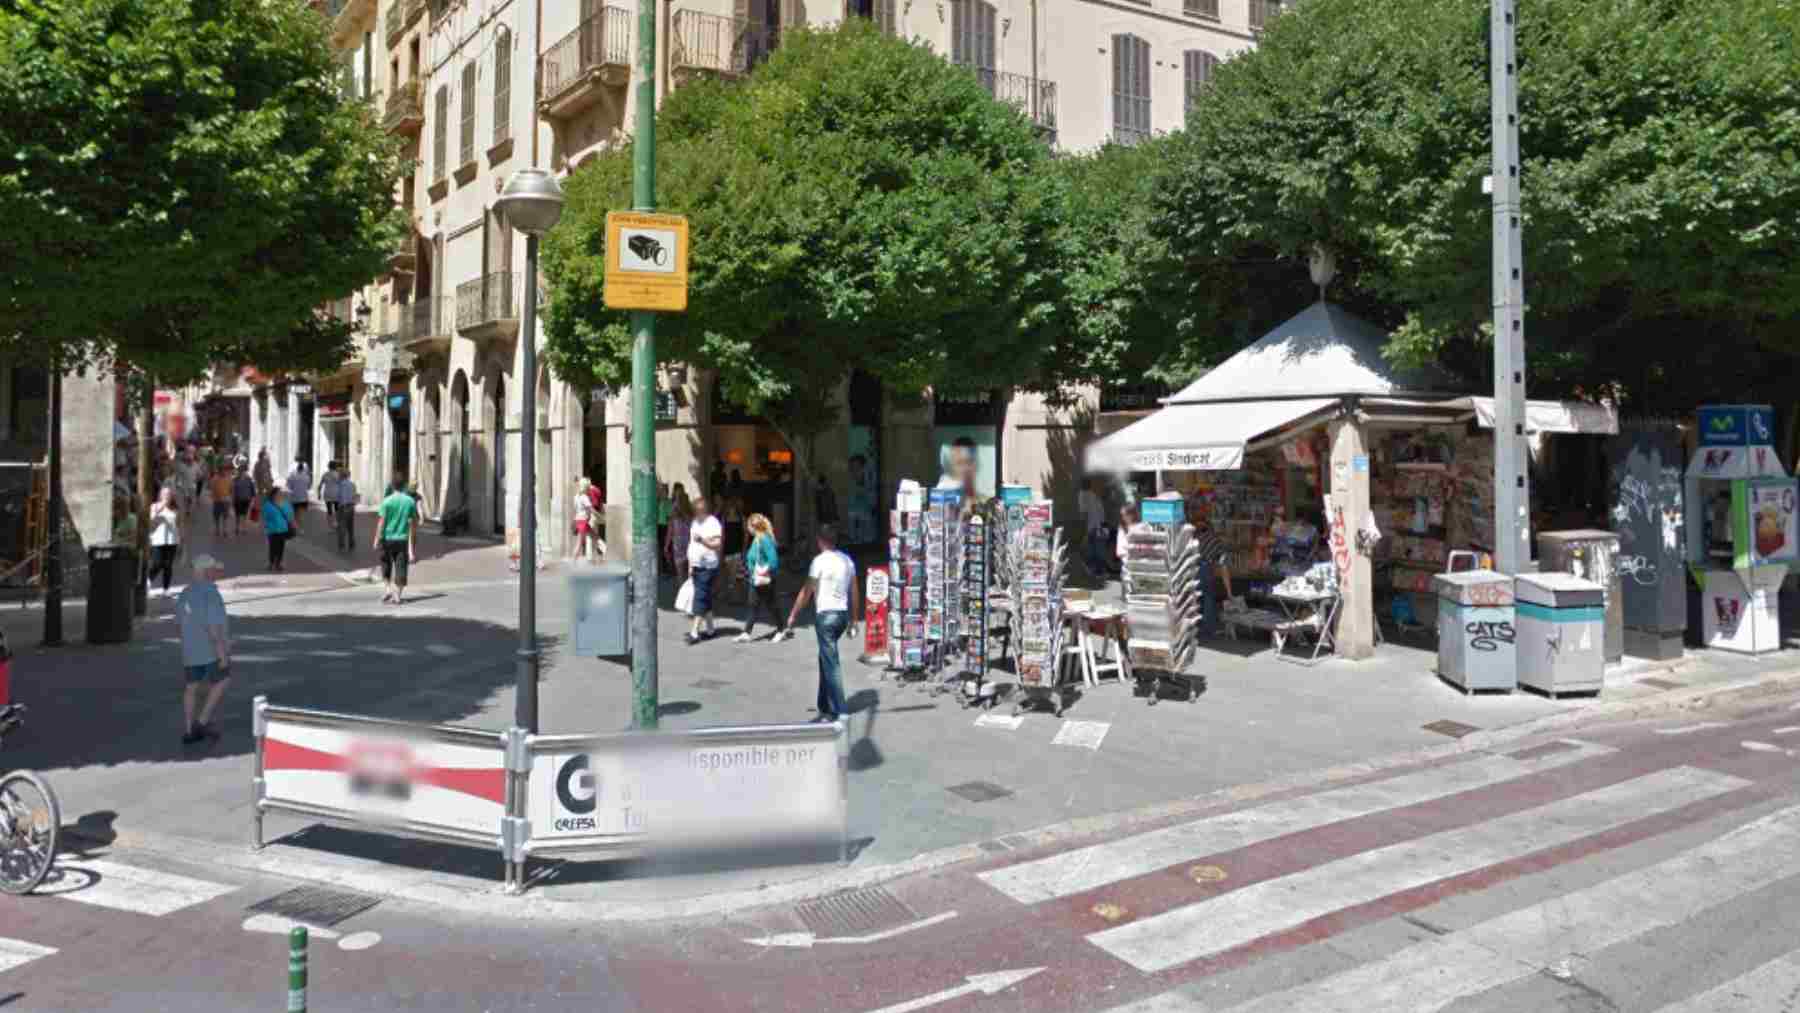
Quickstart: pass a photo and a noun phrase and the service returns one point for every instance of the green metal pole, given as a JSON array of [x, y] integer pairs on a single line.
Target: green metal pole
[[643, 401], [296, 970]]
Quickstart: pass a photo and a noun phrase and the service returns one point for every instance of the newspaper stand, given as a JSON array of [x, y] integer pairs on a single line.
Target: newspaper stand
[[1039, 557], [908, 649], [974, 605], [1162, 600]]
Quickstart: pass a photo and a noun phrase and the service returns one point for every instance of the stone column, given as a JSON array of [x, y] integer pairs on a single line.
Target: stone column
[[1349, 505]]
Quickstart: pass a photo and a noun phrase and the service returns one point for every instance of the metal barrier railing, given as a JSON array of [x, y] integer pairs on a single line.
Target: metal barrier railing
[[563, 796]]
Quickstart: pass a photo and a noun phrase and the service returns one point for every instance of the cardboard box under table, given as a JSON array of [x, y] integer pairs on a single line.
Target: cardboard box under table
[[1561, 640], [1476, 620]]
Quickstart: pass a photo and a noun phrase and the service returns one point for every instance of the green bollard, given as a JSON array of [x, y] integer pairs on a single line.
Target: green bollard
[[297, 969]]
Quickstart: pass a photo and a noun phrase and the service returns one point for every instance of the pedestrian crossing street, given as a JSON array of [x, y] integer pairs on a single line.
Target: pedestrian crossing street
[[1166, 931], [106, 884]]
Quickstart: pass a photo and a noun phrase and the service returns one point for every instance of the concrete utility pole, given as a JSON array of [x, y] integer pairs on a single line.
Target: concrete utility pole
[[1512, 492], [53, 516], [643, 400]]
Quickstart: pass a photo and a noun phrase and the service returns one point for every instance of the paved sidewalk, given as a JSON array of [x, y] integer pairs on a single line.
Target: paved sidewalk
[[105, 722]]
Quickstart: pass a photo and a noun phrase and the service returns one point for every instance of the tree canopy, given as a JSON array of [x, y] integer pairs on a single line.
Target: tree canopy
[[857, 203], [1661, 185], [185, 183]]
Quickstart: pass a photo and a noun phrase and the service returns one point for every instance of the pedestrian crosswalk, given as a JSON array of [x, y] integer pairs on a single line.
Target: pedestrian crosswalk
[[112, 885], [1084, 869], [1329, 863], [1433, 974], [1242, 916]]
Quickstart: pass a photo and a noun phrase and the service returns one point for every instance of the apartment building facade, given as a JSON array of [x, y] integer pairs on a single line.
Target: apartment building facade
[[479, 88]]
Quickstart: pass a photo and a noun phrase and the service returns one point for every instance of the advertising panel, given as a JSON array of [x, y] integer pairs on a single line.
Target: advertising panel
[[381, 775], [1772, 531], [966, 459]]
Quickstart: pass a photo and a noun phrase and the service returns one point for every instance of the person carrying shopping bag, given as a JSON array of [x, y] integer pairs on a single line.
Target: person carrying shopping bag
[[763, 561]]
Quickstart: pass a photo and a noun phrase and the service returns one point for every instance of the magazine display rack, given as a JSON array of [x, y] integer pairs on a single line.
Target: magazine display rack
[[1163, 603], [1038, 563]]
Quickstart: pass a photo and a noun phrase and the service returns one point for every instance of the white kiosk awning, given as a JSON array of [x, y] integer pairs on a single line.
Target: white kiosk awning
[[1199, 437]]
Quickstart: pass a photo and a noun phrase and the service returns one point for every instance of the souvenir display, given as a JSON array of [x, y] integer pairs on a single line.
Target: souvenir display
[[907, 646], [1038, 559], [974, 596], [1163, 606]]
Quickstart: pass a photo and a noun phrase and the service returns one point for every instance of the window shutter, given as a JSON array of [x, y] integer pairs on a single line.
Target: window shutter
[[502, 85], [440, 139], [1197, 73], [887, 18], [1131, 89], [468, 113]]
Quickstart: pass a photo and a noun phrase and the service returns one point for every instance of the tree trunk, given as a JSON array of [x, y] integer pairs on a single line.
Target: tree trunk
[[803, 467]]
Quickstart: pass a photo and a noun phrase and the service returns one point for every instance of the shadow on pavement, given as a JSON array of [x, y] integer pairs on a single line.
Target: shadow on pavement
[[118, 704]]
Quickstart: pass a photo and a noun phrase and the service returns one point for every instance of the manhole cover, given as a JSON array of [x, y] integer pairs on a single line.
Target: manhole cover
[[1454, 729], [1207, 874], [1663, 683], [1108, 911], [854, 913], [710, 684], [979, 791], [315, 905]]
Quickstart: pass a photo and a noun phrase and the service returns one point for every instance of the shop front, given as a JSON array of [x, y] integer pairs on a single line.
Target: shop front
[[1306, 448], [333, 418]]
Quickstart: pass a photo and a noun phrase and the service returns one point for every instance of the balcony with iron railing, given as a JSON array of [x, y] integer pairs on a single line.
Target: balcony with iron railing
[[1035, 97], [423, 326], [715, 44], [574, 72], [487, 308], [405, 110]]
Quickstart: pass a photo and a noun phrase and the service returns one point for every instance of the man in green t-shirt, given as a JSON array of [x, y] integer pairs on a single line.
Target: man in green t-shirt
[[394, 529]]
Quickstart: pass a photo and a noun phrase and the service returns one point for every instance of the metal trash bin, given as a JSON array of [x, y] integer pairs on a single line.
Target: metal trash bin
[[1476, 623], [600, 613], [112, 580], [1561, 633], [1591, 555]]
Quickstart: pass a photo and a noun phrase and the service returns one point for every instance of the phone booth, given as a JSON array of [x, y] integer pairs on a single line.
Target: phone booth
[[1741, 529]]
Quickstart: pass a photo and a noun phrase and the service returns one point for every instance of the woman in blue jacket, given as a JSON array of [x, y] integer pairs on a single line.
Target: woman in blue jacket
[[278, 524], [761, 564]]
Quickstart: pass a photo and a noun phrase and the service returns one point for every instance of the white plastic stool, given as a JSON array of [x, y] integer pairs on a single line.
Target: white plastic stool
[[1110, 657]]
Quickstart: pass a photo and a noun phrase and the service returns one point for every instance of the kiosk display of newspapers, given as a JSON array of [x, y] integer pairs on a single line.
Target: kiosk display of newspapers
[[1741, 528], [1162, 598]]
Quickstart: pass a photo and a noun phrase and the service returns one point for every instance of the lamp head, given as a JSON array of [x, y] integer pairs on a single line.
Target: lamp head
[[532, 201]]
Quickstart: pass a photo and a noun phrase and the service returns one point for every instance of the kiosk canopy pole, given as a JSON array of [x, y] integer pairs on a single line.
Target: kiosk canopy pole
[[1512, 493]]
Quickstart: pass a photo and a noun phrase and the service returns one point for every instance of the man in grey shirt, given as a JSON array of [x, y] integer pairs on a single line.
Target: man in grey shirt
[[205, 647], [346, 513]]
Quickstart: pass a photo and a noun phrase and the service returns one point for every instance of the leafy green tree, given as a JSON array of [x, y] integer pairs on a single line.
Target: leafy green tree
[[185, 183], [857, 203], [1661, 192]]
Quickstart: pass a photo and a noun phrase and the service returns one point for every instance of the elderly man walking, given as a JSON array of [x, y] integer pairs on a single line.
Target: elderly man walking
[[205, 648]]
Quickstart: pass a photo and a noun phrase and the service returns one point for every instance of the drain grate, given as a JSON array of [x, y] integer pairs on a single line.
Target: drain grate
[[1454, 729], [316, 905], [854, 913], [709, 684], [979, 791], [1663, 683]]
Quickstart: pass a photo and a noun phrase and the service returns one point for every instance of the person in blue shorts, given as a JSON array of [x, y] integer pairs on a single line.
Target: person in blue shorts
[[205, 648]]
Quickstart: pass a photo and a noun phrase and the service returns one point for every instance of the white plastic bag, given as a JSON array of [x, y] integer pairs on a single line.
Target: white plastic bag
[[684, 598]]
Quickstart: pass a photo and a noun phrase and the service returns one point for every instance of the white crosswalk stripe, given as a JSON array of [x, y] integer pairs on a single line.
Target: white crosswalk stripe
[[1261, 909], [129, 888], [17, 953], [1084, 869], [1431, 975], [1767, 989]]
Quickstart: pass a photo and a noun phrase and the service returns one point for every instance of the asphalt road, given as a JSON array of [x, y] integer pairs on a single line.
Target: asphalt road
[[1645, 866]]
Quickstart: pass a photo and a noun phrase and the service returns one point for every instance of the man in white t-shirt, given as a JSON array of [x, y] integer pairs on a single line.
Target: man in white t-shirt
[[705, 536], [832, 581]]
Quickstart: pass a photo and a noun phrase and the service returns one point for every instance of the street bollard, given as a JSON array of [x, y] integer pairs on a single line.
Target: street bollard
[[296, 970]]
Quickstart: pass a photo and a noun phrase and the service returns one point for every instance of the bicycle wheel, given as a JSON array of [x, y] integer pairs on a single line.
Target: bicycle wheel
[[29, 821]]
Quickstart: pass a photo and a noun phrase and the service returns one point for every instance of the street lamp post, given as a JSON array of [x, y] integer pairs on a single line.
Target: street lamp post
[[531, 202]]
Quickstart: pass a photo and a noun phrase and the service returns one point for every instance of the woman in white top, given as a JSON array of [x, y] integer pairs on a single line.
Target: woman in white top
[[584, 519], [165, 537], [299, 485]]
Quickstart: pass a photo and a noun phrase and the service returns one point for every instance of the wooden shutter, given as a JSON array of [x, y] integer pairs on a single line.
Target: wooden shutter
[[502, 85], [468, 113], [1131, 89], [440, 140]]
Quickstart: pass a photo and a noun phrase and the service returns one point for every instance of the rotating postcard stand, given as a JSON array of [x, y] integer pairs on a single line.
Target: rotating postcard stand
[[1162, 601], [1038, 559], [970, 682], [909, 652], [1741, 528]]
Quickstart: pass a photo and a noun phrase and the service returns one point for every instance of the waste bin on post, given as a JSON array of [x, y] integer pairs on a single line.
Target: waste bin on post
[[600, 611], [1561, 637], [1476, 630], [1591, 555], [112, 576]]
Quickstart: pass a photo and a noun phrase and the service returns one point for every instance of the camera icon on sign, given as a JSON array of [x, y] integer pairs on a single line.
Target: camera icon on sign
[[648, 248]]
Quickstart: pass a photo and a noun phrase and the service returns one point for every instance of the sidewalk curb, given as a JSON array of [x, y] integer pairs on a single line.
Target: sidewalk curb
[[484, 897]]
